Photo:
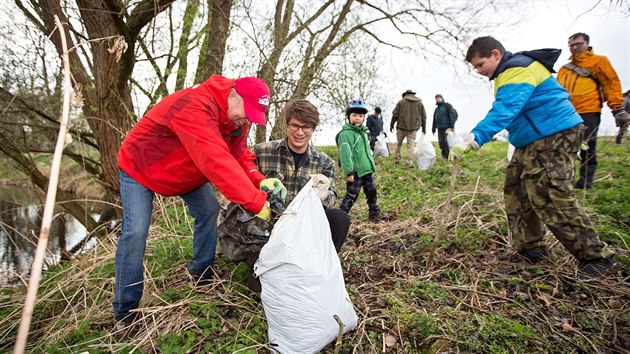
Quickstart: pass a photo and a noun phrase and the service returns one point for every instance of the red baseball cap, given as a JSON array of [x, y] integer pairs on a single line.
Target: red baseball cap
[[256, 97]]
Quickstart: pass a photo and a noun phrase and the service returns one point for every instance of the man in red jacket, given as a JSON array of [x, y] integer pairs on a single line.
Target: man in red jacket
[[194, 136]]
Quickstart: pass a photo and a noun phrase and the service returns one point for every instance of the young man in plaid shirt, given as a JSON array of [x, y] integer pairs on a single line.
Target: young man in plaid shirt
[[294, 161]]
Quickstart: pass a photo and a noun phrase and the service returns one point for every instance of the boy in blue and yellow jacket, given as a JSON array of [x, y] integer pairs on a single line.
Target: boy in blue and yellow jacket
[[547, 133], [356, 159]]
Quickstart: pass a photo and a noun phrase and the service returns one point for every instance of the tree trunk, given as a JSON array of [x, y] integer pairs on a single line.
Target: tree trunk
[[213, 49]]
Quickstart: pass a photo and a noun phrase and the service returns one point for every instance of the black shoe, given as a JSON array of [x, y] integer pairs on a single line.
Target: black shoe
[[253, 283], [374, 216], [595, 268], [205, 279], [127, 328], [582, 185], [528, 256]]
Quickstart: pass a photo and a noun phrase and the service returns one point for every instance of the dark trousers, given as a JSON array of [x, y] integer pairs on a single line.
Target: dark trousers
[[443, 143], [588, 163], [372, 139], [352, 193]]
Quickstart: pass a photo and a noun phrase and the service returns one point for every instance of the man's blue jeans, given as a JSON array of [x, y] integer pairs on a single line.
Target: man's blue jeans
[[137, 203]]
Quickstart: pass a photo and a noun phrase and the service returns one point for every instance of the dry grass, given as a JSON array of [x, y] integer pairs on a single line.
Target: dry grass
[[467, 301]]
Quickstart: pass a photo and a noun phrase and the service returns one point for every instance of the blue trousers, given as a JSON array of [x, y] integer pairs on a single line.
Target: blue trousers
[[137, 203]]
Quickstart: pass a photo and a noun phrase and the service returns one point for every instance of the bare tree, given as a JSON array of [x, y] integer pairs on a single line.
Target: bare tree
[[316, 32]]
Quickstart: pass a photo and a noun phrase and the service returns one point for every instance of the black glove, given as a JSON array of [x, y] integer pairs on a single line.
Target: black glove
[[622, 118]]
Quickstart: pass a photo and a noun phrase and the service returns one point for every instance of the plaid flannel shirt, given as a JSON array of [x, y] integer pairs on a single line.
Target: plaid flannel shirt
[[274, 160]]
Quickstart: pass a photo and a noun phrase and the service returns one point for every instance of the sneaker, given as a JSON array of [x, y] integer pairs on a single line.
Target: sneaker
[[529, 256], [595, 268]]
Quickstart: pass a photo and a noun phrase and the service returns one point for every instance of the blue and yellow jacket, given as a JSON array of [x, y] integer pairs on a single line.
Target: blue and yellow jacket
[[529, 102]]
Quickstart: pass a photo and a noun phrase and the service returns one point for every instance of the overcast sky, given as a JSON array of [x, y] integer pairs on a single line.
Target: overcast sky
[[547, 24]]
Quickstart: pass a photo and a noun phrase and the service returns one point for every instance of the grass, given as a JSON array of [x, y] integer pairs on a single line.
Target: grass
[[468, 301]]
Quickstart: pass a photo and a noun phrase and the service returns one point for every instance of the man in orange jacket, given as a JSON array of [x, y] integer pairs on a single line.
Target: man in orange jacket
[[194, 136], [591, 81]]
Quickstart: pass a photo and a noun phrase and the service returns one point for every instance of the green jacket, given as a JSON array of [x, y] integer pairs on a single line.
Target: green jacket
[[354, 151]]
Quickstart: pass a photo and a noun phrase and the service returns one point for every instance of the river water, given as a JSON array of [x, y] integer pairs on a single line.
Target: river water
[[21, 211]]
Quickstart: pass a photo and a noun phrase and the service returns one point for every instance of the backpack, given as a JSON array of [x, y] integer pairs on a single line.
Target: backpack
[[587, 73], [453, 112]]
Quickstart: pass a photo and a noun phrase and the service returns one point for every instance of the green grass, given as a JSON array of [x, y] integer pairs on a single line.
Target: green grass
[[468, 301]]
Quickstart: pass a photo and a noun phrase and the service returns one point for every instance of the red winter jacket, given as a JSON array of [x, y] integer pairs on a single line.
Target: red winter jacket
[[187, 140]]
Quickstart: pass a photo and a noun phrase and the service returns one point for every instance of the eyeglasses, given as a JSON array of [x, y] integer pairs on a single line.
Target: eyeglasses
[[576, 44], [305, 128]]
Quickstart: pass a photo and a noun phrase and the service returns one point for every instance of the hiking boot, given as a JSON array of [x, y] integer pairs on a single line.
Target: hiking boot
[[529, 256], [595, 268]]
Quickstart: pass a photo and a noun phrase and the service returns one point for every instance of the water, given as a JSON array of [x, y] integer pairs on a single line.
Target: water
[[20, 221]]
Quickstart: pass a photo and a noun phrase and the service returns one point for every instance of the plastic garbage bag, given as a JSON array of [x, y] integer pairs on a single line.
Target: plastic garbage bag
[[302, 282], [380, 147], [241, 233], [426, 153]]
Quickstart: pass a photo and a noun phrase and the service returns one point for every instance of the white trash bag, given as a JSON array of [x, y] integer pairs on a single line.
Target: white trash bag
[[452, 138], [425, 153], [380, 147], [301, 278]]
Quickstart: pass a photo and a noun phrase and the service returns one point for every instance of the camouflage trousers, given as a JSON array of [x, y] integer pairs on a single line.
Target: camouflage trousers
[[538, 192]]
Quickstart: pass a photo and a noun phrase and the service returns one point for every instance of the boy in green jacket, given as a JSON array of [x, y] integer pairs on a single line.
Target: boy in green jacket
[[356, 159]]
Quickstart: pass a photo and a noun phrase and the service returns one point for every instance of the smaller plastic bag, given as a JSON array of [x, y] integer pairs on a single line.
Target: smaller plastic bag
[[380, 148], [426, 153]]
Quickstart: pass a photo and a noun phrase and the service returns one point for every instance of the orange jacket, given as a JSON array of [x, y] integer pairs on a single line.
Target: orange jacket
[[583, 90]]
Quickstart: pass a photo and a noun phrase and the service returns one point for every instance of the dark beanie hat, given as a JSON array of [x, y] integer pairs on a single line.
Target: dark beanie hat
[[439, 95], [377, 109]]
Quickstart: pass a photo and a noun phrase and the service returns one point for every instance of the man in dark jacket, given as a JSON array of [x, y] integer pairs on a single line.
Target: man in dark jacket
[[375, 125], [444, 118], [410, 115]]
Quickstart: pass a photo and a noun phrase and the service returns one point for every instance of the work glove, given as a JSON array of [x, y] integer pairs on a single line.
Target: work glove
[[458, 151], [321, 184], [265, 212], [274, 186], [433, 131], [622, 118]]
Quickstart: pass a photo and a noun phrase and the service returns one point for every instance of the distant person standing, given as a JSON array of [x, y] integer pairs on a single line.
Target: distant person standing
[[591, 81], [626, 107], [444, 118], [375, 125], [409, 116]]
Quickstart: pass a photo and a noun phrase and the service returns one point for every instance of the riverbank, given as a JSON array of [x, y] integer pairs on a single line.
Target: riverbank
[[468, 301]]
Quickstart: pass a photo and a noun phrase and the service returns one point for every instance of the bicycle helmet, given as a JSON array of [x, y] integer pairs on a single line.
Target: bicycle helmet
[[356, 106]]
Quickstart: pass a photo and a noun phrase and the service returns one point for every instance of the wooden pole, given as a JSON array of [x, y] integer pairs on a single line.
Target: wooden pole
[[38, 262]]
